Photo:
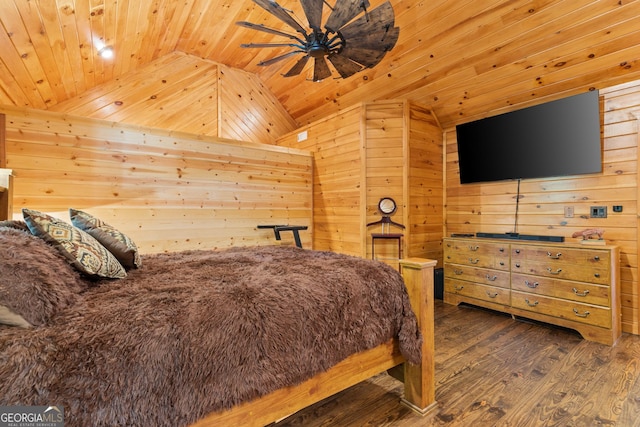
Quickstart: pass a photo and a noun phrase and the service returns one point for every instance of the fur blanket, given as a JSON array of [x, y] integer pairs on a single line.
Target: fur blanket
[[199, 331]]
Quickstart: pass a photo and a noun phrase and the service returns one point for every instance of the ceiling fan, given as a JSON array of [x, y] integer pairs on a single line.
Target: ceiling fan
[[353, 37]]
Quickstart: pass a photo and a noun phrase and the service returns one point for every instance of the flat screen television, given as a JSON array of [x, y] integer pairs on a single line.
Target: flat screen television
[[557, 138]]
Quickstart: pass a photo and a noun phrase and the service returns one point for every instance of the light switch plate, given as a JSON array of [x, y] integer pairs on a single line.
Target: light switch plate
[[568, 211], [598, 212]]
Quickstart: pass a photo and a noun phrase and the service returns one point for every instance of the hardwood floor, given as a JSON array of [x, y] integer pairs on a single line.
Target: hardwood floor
[[492, 370]]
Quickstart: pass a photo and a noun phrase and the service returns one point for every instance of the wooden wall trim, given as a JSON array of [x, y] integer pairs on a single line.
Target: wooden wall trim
[[363, 187], [3, 142], [635, 327], [406, 174]]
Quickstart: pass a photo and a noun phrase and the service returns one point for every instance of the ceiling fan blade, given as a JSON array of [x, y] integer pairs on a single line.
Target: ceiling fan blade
[[343, 12], [252, 45], [313, 12], [261, 27], [366, 57], [321, 69], [382, 40], [281, 13], [279, 58], [379, 18], [298, 67], [344, 66]]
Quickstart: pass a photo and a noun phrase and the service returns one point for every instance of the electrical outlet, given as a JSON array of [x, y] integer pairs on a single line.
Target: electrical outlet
[[568, 211], [598, 211]]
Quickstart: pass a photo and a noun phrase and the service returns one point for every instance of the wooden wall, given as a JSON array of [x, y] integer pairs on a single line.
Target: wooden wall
[[337, 179], [424, 163], [168, 190], [184, 93], [366, 152], [490, 207]]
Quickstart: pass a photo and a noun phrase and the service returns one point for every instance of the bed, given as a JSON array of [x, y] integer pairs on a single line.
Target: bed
[[243, 336]]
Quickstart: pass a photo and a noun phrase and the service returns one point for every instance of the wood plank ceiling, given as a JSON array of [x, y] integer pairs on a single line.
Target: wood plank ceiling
[[463, 58]]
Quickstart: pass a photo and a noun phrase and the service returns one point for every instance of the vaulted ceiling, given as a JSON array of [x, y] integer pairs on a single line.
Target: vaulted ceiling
[[463, 58]]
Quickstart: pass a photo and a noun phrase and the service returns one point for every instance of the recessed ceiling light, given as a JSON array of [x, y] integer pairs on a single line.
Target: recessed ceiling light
[[106, 52]]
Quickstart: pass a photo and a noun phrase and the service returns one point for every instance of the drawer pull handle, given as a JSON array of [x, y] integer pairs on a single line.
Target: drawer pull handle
[[457, 272], [581, 294], [517, 251], [501, 249], [558, 271], [492, 279], [459, 288], [577, 313], [492, 295], [596, 275], [596, 258], [556, 256], [473, 248], [502, 263], [474, 261], [517, 265], [531, 285], [529, 304]]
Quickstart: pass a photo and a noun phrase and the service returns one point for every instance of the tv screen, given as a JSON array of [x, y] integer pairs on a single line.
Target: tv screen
[[557, 138]]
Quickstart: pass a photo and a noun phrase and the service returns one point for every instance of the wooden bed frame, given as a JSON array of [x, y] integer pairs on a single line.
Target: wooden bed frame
[[419, 380], [6, 194]]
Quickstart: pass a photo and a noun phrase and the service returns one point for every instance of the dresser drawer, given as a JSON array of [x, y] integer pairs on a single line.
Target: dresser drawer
[[570, 310], [563, 270], [485, 276], [477, 254], [575, 291], [586, 257], [482, 292], [586, 265]]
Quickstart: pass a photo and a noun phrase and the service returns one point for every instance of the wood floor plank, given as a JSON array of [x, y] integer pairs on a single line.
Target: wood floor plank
[[492, 370]]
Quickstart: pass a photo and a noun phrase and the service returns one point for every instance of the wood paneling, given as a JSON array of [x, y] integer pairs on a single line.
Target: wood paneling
[[462, 59], [424, 168], [168, 190], [187, 94], [374, 150], [385, 149], [490, 207], [337, 180], [248, 110]]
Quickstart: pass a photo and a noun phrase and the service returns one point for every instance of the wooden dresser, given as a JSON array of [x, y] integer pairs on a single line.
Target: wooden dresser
[[567, 284]]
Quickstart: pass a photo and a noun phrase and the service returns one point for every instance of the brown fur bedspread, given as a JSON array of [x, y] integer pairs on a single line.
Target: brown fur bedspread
[[198, 331]]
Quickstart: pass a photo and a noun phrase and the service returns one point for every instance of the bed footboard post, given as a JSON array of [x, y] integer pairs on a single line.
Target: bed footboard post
[[419, 381], [6, 194]]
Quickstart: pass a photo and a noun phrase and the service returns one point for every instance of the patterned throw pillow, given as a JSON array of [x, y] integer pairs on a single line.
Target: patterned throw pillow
[[85, 253], [118, 243]]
